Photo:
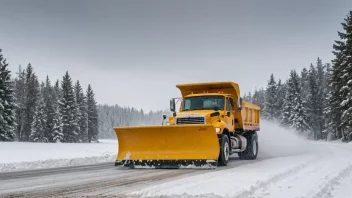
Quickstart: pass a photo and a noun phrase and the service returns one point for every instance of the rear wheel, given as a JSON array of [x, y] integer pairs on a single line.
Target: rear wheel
[[251, 151], [224, 150]]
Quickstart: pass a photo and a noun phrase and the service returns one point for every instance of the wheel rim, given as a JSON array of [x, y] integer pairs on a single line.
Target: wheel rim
[[254, 147], [226, 151]]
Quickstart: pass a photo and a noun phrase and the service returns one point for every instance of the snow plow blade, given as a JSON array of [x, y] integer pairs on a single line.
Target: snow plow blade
[[173, 146]]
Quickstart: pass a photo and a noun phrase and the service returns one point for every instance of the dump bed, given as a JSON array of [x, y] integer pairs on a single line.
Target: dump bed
[[250, 116]]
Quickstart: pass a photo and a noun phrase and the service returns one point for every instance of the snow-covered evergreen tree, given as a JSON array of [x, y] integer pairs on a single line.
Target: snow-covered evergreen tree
[[313, 104], [270, 110], [294, 114], [57, 135], [32, 93], [69, 111], [50, 101], [39, 123], [340, 94], [83, 113], [346, 78], [247, 97], [259, 98], [304, 84], [329, 130], [281, 93], [322, 85], [20, 98], [92, 115], [57, 90], [7, 106], [286, 113], [299, 113]]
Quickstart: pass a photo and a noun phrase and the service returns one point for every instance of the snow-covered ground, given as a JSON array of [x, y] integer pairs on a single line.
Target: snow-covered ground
[[287, 166], [26, 155], [295, 168]]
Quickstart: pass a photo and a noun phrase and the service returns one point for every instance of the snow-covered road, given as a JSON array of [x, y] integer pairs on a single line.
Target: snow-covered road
[[287, 166]]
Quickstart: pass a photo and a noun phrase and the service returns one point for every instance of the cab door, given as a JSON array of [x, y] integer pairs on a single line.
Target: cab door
[[230, 114]]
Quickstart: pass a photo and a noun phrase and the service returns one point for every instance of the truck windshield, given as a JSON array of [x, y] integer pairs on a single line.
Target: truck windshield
[[203, 102]]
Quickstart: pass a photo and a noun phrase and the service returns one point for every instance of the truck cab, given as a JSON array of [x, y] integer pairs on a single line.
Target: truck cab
[[219, 104], [211, 108]]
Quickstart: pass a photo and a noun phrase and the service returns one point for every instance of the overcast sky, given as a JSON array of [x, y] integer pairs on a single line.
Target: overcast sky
[[133, 53]]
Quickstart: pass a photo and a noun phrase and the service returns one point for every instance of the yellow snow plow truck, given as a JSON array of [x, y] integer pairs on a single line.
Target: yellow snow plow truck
[[212, 123]]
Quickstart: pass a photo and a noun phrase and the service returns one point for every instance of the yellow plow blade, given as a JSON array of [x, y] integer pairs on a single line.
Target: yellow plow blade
[[173, 146]]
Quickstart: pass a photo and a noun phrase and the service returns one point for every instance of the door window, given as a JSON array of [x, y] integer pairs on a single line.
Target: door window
[[228, 105]]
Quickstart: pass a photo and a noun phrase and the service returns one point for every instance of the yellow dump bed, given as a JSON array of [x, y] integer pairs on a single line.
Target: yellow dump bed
[[250, 116]]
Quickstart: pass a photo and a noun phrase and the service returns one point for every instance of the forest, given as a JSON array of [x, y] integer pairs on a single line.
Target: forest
[[316, 102]]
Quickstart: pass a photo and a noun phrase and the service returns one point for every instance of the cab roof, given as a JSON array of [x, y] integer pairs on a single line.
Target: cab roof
[[220, 88], [207, 94]]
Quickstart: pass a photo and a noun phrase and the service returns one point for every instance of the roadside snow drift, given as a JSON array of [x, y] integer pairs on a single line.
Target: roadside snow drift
[[27, 155]]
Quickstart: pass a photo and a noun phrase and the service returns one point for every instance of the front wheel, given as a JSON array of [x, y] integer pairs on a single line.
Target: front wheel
[[251, 151], [224, 150]]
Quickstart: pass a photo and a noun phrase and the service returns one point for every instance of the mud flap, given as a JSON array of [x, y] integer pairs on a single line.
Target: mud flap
[[175, 146]]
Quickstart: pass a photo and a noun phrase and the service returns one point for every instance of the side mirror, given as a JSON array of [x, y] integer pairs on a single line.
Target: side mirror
[[228, 114], [239, 104], [172, 105], [164, 117]]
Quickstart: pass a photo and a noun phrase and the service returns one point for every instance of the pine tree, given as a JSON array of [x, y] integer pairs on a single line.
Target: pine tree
[[49, 109], [39, 123], [304, 85], [270, 110], [313, 104], [294, 113], [321, 97], [281, 93], [57, 90], [346, 78], [340, 95], [259, 98], [57, 135], [248, 98], [83, 116], [330, 127], [286, 114], [20, 96], [32, 92], [299, 113], [69, 111], [7, 106], [92, 115]]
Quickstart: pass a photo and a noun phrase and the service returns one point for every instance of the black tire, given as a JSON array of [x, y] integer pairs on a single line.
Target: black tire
[[224, 154], [252, 148]]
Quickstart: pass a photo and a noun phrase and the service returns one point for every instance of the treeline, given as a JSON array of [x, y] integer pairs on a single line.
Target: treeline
[[115, 116], [299, 102], [317, 103], [34, 111]]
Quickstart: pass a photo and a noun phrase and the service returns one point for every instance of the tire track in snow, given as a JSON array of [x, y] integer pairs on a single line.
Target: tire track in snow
[[319, 174], [326, 190], [276, 178]]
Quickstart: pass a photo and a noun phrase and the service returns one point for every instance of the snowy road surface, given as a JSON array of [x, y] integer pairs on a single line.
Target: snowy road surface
[[286, 167]]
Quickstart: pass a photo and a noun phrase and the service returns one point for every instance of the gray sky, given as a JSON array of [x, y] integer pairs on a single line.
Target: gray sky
[[134, 52]]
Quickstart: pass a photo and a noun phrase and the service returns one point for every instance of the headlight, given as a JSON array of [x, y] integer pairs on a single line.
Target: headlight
[[217, 130]]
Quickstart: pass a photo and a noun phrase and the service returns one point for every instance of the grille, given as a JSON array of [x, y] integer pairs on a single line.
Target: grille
[[190, 120]]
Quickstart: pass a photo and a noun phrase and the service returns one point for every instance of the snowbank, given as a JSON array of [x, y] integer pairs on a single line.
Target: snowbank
[[27, 155]]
